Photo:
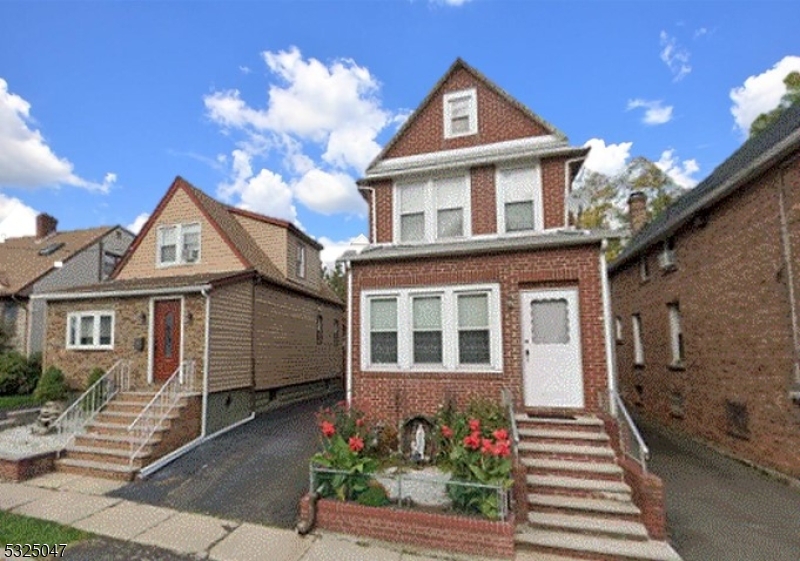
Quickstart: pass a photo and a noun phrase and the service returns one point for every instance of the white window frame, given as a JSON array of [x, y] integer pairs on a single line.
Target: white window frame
[[179, 242], [638, 343], [644, 268], [447, 108], [676, 333], [449, 301], [618, 329], [431, 208], [300, 262], [95, 315], [500, 200]]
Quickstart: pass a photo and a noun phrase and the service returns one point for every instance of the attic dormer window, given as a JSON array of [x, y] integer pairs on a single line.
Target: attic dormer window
[[460, 113], [51, 249], [178, 244]]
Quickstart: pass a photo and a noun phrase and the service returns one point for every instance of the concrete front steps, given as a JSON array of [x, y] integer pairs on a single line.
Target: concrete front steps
[[104, 448], [579, 506]]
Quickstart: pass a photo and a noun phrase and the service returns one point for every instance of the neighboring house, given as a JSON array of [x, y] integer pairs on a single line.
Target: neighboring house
[[233, 296], [51, 260], [706, 304], [474, 282]]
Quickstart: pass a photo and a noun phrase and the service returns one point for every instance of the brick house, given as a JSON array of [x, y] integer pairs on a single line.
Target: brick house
[[473, 282], [51, 260], [228, 304], [705, 298]]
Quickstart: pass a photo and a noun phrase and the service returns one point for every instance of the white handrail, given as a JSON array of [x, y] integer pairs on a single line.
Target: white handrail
[[153, 414], [625, 443], [508, 401], [85, 408]]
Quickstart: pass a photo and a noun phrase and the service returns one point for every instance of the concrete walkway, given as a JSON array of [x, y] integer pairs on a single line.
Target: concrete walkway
[[80, 502]]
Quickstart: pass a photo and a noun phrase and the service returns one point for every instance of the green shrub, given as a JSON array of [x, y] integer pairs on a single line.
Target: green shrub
[[52, 386], [32, 374], [94, 375], [13, 372]]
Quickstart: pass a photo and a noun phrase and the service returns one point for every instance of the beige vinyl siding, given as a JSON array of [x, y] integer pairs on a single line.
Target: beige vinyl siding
[[285, 341], [271, 238], [215, 254], [230, 349], [313, 263]]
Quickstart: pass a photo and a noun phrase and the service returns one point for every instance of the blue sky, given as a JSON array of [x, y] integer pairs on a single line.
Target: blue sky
[[278, 106]]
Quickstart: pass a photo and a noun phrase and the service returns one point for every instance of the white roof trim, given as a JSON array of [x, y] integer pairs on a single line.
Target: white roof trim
[[121, 293], [474, 155]]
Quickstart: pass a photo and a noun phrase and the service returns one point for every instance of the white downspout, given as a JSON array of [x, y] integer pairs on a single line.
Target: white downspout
[[610, 354], [794, 391], [204, 420], [349, 378]]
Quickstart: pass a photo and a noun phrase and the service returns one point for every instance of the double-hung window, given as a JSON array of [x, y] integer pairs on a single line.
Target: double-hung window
[[432, 329], [436, 209], [638, 344], [178, 244], [460, 113], [519, 204], [300, 262], [675, 333], [90, 330]]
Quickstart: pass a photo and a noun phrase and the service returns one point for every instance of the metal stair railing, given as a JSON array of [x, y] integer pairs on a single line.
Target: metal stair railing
[[156, 411], [73, 420], [630, 439], [508, 403]]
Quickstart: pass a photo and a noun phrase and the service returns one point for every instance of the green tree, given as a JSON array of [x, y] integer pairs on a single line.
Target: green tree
[[789, 99], [336, 279]]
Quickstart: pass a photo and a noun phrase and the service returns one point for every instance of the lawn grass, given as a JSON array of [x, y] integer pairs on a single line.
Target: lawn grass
[[8, 402], [15, 528]]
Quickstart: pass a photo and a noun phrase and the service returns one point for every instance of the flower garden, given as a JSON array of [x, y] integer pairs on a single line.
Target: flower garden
[[471, 450]]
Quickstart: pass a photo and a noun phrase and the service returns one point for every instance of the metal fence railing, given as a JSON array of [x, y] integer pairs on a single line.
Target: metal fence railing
[[630, 439], [508, 402], [412, 490]]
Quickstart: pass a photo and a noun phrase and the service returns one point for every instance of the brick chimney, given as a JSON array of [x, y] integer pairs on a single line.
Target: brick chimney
[[45, 225], [637, 211]]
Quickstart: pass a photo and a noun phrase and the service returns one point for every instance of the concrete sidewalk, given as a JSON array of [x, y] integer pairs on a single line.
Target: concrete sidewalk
[[79, 501]]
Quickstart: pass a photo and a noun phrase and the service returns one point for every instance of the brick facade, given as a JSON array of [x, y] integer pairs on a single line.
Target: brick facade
[[393, 396], [731, 284]]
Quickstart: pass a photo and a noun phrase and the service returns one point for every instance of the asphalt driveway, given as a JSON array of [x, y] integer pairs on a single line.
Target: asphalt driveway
[[255, 473], [721, 510]]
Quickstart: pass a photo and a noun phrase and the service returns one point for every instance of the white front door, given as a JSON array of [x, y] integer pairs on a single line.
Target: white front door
[[551, 348]]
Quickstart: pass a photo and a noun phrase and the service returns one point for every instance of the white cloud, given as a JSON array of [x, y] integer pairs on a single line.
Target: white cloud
[[700, 32], [680, 172], [761, 93], [332, 250], [312, 107], [138, 222], [244, 69], [26, 160], [454, 3], [607, 159], [329, 193], [675, 56], [16, 218], [655, 113], [265, 192]]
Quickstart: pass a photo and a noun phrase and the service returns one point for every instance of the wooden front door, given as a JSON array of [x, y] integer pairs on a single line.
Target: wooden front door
[[166, 338]]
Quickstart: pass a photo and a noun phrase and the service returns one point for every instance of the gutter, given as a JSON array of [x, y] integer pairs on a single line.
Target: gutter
[[349, 378], [794, 390], [207, 329], [55, 296], [607, 321]]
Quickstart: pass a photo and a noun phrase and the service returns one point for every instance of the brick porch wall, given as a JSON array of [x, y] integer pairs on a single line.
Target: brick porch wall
[[392, 396]]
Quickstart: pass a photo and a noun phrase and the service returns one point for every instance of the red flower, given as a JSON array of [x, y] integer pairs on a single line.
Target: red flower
[[486, 446], [473, 441], [356, 444], [360, 422], [474, 425], [447, 432], [500, 434], [502, 448], [327, 429]]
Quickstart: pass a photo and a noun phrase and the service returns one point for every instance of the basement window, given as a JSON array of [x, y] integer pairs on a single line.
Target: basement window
[[737, 419]]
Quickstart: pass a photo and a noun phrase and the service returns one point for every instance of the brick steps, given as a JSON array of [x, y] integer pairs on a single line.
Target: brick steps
[[107, 455], [595, 547], [109, 441], [96, 469], [579, 505]]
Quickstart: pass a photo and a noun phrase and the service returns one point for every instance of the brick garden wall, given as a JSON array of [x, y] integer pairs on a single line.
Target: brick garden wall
[[422, 529], [732, 288], [21, 469], [392, 396]]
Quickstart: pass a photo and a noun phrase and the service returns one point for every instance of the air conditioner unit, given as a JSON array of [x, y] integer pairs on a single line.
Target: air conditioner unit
[[666, 259]]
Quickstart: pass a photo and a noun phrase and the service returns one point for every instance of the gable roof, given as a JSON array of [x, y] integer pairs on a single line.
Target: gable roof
[[277, 222], [753, 157], [220, 216], [22, 264], [459, 64]]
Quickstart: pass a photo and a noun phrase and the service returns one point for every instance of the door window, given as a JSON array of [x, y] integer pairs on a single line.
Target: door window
[[549, 322]]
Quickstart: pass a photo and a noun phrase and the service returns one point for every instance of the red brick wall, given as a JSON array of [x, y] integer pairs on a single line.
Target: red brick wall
[[392, 396], [22, 469], [484, 200], [498, 120], [553, 191], [383, 212], [648, 494], [422, 529], [732, 287]]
